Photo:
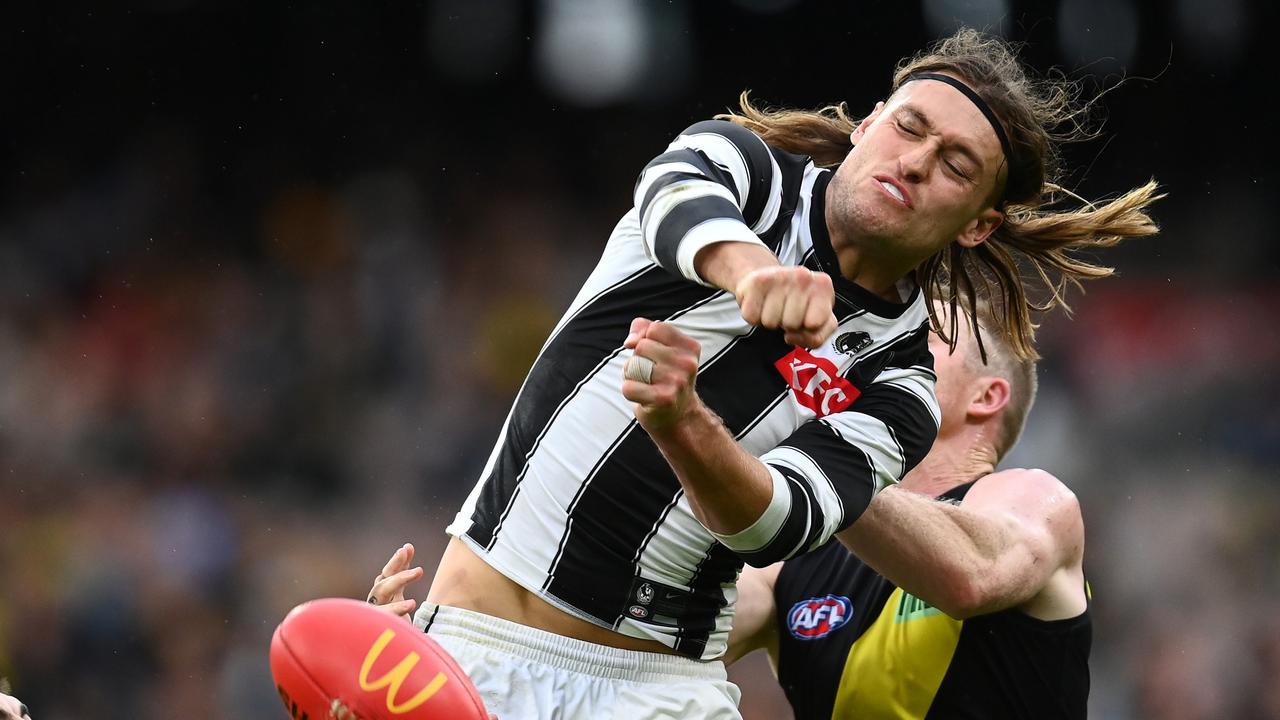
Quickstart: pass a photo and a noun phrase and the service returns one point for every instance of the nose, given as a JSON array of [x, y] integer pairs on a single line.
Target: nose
[[917, 162]]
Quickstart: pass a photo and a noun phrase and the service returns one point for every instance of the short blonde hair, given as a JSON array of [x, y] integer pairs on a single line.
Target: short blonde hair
[[1003, 361]]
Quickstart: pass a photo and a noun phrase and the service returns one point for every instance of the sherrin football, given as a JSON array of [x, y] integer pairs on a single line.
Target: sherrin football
[[379, 667]]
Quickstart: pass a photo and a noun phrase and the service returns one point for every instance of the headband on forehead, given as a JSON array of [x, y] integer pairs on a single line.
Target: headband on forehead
[[977, 100]]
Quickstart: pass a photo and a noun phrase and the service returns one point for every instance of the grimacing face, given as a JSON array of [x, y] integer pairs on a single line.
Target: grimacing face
[[920, 175]]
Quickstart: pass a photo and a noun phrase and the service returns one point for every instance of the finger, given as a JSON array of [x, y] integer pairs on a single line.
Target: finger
[[396, 563], [638, 368], [391, 589], [668, 360], [795, 307], [639, 327], [771, 310], [750, 299], [647, 395], [401, 608], [669, 334]]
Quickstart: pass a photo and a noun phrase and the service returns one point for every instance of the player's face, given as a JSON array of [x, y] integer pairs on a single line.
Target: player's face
[[922, 174], [954, 389]]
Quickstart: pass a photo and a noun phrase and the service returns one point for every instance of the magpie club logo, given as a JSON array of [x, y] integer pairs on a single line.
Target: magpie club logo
[[819, 616], [816, 382]]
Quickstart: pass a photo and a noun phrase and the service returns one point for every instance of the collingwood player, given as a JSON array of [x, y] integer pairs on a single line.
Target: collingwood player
[[976, 609], [782, 260]]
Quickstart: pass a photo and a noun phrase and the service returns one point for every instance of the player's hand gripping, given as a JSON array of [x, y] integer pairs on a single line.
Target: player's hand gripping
[[796, 299], [659, 378], [388, 587]]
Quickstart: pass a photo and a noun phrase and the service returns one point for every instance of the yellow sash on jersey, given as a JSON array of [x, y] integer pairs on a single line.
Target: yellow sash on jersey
[[895, 668]]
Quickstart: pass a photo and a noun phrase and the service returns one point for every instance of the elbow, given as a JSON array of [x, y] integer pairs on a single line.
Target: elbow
[[963, 595]]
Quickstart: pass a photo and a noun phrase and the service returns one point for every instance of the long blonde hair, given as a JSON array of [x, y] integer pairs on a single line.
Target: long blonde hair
[[1040, 241]]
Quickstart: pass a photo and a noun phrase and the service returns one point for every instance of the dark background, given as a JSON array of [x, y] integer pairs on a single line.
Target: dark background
[[270, 275]]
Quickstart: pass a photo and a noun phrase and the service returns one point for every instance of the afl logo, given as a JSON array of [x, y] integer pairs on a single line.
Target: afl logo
[[818, 617]]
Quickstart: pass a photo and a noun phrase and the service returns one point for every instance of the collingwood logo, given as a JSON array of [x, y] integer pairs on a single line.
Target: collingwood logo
[[644, 595], [852, 342]]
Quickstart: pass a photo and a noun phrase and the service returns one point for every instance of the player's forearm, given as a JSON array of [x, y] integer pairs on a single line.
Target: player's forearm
[[728, 488], [956, 560], [724, 264]]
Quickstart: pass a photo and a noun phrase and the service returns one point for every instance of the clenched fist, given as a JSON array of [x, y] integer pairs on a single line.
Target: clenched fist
[[797, 300], [660, 376]]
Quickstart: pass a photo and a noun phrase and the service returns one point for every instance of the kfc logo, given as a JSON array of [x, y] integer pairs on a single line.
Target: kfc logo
[[816, 382]]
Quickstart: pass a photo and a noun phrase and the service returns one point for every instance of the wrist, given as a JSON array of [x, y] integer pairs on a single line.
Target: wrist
[[686, 430], [725, 264]]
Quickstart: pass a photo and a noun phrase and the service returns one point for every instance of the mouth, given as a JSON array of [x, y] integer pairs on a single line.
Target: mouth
[[893, 189]]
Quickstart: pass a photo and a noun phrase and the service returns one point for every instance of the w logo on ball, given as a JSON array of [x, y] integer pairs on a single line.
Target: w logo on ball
[[818, 617], [394, 679]]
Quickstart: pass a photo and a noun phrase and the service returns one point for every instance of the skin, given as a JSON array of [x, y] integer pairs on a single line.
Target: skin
[[1016, 542], [12, 709], [914, 142]]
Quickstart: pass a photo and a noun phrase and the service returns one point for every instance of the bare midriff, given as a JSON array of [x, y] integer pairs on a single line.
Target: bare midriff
[[465, 581]]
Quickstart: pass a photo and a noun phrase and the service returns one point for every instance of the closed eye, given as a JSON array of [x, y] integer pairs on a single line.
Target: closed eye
[[956, 169]]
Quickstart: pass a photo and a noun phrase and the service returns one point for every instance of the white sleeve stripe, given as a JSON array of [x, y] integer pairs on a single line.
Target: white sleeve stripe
[[654, 173], [731, 158], [764, 530], [671, 196], [740, 170], [824, 490], [877, 442]]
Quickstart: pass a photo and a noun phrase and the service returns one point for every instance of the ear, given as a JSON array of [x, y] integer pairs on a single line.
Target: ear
[[857, 134], [990, 396], [980, 228]]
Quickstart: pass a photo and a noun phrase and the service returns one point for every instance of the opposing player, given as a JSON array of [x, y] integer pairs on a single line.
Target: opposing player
[[974, 607], [593, 567]]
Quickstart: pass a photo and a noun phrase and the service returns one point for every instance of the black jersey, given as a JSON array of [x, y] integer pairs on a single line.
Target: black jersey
[[576, 502], [852, 645]]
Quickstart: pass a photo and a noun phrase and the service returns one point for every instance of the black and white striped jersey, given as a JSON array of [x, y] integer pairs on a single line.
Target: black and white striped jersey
[[578, 505]]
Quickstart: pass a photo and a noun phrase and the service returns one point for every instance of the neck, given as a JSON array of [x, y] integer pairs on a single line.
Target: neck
[[951, 462], [859, 264]]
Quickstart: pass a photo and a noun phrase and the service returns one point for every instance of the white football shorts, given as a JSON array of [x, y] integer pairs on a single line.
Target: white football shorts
[[525, 673]]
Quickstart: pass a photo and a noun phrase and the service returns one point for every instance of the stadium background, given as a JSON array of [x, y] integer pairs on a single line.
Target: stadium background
[[270, 274]]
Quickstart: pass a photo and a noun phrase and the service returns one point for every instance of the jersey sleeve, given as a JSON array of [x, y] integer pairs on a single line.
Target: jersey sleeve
[[717, 181], [827, 471]]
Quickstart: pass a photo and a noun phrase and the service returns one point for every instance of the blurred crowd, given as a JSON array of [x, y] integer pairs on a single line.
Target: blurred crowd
[[227, 390]]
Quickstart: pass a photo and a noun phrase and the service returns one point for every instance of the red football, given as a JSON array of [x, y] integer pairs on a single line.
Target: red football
[[378, 666]]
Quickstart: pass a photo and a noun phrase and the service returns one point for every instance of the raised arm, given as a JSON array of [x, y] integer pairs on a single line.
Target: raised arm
[[815, 483], [1017, 541], [701, 206]]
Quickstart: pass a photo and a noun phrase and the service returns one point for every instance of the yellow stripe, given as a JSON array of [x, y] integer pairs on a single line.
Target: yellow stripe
[[895, 668]]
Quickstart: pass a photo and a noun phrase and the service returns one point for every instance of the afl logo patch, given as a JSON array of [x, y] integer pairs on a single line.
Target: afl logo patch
[[818, 617]]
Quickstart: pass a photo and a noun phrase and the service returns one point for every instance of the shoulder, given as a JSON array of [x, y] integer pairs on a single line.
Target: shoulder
[[1036, 496], [1023, 480], [724, 128]]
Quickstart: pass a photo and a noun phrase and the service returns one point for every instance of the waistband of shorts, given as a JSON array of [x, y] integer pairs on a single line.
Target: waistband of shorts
[[561, 652]]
